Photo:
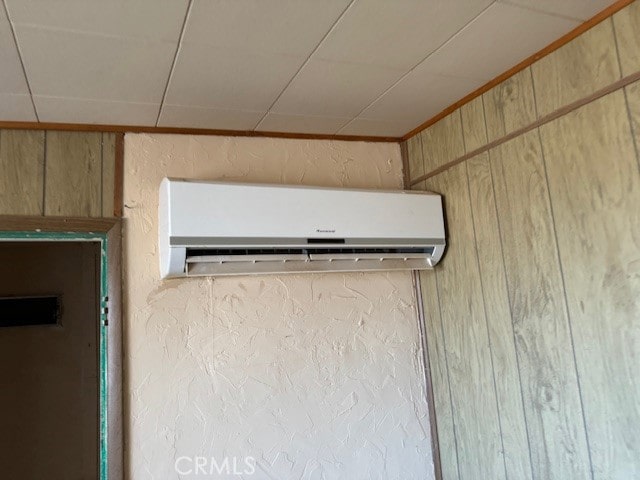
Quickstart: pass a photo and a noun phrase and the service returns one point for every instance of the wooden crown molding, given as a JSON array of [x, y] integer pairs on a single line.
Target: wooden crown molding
[[84, 127]]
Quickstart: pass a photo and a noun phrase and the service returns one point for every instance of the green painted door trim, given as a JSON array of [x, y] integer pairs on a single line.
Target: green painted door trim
[[102, 325]]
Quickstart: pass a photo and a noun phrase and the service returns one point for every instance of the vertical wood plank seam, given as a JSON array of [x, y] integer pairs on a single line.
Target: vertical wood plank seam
[[446, 363], [44, 174], [566, 301], [535, 97], [626, 97], [424, 165], [101, 174], [406, 171], [118, 176], [433, 419], [504, 270], [484, 306], [633, 136], [617, 48]]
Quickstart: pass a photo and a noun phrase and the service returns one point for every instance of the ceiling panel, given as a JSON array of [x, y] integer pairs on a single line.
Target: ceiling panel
[[334, 89], [77, 65], [212, 118], [241, 55], [396, 34], [206, 76], [74, 110], [499, 38], [16, 107], [11, 75], [354, 67], [576, 9], [420, 95], [290, 27], [278, 122], [148, 19]]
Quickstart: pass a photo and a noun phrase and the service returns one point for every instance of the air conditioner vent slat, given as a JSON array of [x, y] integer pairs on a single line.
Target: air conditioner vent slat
[[244, 258], [239, 268]]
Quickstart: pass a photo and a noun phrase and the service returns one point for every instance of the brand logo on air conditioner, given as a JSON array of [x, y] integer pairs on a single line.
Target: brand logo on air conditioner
[[325, 230]]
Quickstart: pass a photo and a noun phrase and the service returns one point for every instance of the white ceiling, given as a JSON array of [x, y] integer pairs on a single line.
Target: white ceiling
[[351, 67]]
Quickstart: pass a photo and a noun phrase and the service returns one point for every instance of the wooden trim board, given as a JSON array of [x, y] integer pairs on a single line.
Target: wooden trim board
[[19, 223], [83, 127]]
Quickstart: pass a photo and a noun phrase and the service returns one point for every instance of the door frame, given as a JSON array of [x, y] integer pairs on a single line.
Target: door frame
[[107, 232]]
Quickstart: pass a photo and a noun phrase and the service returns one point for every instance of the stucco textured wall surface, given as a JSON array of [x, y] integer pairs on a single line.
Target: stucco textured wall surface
[[315, 376]]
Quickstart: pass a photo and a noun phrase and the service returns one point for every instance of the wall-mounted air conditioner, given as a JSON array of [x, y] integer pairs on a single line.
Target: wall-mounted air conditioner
[[214, 228]]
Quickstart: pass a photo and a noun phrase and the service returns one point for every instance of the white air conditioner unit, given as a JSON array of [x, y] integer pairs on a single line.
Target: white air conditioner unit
[[214, 228]]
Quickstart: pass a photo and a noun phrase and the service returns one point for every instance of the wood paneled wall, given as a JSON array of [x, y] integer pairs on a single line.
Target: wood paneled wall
[[533, 316], [53, 173]]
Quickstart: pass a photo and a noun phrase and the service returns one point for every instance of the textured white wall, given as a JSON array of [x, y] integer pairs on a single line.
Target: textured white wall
[[315, 376]]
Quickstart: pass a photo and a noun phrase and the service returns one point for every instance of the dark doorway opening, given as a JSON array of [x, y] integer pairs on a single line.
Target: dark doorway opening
[[49, 372]]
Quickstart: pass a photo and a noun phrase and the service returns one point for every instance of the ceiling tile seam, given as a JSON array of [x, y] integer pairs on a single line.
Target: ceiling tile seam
[[111, 36], [420, 63], [94, 99], [333, 26], [540, 10], [175, 59], [24, 70]]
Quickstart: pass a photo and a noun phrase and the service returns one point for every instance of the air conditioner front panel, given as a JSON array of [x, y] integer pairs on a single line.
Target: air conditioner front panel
[[262, 212]]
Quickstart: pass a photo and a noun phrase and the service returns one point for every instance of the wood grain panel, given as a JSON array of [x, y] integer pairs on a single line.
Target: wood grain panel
[[552, 402], [442, 142], [108, 173], [473, 125], [627, 25], [439, 376], [579, 68], [21, 172], [498, 311], [633, 100], [442, 408], [73, 174], [465, 336], [595, 191], [510, 105], [414, 151]]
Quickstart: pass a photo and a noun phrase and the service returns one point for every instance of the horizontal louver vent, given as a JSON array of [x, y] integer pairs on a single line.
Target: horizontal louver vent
[[234, 261], [193, 253]]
